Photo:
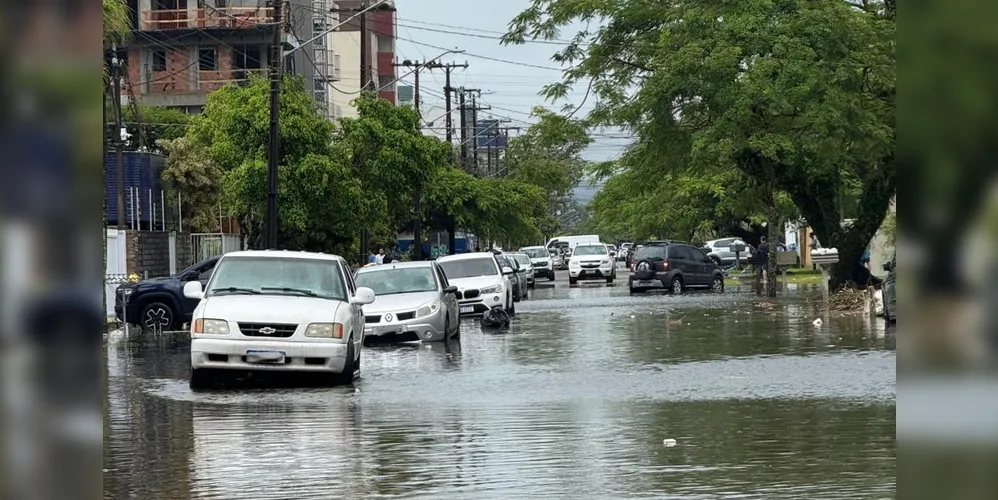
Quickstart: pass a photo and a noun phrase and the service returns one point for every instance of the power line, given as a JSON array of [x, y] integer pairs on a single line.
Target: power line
[[487, 58]]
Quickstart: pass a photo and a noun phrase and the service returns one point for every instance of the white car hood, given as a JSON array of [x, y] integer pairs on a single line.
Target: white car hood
[[477, 282], [400, 302], [269, 308], [590, 259]]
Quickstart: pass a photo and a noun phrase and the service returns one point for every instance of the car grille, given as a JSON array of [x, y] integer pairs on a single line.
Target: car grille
[[372, 319], [281, 330], [591, 265], [471, 294], [406, 315]]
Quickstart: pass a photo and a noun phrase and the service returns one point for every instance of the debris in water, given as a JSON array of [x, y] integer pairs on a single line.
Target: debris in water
[[632, 316], [817, 322], [669, 442]]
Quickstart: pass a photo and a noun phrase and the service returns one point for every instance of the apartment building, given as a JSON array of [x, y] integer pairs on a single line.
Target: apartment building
[[181, 50], [346, 42]]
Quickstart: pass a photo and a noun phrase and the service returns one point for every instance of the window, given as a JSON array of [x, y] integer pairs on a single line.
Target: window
[[681, 252], [536, 253], [390, 281], [207, 60], [278, 276], [469, 268], [655, 253], [159, 60], [246, 57], [590, 250], [320, 84], [349, 278], [440, 276], [700, 256], [724, 243]]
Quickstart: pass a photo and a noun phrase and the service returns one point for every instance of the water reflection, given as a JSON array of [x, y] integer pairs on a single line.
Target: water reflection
[[573, 401]]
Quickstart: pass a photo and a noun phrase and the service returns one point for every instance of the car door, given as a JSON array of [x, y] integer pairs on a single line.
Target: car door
[[705, 267], [722, 248], [449, 299], [679, 259], [357, 311]]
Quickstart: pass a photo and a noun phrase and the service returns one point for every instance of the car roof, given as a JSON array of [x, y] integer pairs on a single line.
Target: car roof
[[466, 256], [539, 247], [397, 265], [282, 254]]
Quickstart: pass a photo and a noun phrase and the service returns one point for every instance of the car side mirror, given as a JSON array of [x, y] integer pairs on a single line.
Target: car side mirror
[[450, 289], [193, 290], [507, 270], [363, 297]]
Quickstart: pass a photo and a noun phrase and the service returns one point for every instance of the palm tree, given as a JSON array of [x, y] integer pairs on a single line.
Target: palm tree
[[117, 25]]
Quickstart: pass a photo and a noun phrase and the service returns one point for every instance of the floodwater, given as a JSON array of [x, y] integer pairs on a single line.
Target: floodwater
[[574, 401]]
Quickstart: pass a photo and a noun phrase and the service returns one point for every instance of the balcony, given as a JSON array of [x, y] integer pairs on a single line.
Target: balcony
[[222, 17], [385, 64]]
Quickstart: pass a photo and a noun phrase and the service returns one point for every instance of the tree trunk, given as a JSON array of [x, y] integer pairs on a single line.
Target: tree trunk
[[451, 237]]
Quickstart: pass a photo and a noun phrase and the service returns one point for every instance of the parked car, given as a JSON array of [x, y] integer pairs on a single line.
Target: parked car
[[482, 282], [526, 268], [561, 253], [722, 251], [674, 266], [278, 311], [542, 261], [890, 298], [159, 303], [591, 262], [413, 302], [612, 250], [624, 251], [518, 279]]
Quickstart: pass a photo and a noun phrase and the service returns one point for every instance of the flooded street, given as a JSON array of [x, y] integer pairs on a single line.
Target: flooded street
[[574, 401]]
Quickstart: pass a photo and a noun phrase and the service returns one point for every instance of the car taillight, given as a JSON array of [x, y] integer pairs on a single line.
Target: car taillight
[[665, 265]]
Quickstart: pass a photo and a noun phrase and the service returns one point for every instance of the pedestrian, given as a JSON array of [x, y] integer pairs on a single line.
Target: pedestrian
[[815, 244], [764, 258], [380, 258], [389, 258], [371, 258]]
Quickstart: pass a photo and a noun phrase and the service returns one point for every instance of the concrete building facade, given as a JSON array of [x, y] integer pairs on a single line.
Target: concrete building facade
[[346, 43]]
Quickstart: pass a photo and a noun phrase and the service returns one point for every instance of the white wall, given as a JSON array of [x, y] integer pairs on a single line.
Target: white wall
[[347, 45]]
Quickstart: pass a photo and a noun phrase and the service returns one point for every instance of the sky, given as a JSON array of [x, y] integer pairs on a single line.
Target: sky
[[428, 28]]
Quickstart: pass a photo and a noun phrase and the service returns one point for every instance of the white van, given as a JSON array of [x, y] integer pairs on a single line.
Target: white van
[[573, 240]]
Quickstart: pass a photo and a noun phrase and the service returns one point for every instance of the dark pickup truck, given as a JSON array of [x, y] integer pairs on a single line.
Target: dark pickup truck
[[159, 303]]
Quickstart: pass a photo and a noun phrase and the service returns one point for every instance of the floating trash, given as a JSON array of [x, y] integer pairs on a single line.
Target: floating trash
[[669, 442], [817, 322]]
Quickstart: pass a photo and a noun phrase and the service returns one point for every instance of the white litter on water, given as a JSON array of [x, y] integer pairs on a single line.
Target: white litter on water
[[817, 322], [669, 442], [632, 316]]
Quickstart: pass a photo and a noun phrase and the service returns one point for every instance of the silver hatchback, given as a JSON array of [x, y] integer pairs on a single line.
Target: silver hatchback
[[413, 302]]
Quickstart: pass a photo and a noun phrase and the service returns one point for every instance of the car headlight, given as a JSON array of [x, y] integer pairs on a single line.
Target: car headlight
[[606, 262], [428, 308], [492, 289], [573, 263], [325, 330], [210, 327]]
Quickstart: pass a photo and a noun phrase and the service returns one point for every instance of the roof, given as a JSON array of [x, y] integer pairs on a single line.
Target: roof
[[396, 265], [465, 256], [283, 254]]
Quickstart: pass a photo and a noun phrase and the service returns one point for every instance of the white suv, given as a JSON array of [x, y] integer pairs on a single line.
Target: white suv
[[277, 311], [591, 262], [482, 283]]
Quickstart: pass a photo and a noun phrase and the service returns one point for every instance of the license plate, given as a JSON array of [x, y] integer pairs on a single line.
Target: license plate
[[645, 283], [467, 309], [265, 356]]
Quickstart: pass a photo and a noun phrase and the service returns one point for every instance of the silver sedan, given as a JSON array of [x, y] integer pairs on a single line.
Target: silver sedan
[[413, 302]]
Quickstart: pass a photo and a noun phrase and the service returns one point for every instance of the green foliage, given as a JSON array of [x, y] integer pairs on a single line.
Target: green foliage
[[150, 124], [547, 155], [191, 173], [117, 27], [796, 96]]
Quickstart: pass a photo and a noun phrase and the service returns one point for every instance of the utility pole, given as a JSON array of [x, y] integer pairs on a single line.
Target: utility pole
[[275, 112], [447, 97], [365, 51], [118, 146]]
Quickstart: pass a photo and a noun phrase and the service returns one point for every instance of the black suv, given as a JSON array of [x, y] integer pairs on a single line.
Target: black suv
[[675, 266], [159, 303]]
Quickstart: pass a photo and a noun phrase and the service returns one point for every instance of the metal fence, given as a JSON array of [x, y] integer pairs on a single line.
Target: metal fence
[[208, 245]]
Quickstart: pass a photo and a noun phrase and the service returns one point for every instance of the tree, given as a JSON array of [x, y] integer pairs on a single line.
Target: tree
[[798, 96], [147, 125], [393, 159], [192, 175], [319, 195]]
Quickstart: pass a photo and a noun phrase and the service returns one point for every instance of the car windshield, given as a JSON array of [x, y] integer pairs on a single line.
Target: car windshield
[[278, 276], [536, 253], [469, 268], [589, 250], [522, 259], [387, 281]]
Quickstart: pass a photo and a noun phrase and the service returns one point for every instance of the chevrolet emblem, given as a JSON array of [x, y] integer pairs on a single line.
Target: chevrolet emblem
[[267, 330]]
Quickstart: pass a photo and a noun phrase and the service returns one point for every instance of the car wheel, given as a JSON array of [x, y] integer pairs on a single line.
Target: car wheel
[[572, 281], [203, 379], [676, 287], [158, 316], [610, 279], [349, 367], [718, 284], [551, 276], [517, 294], [512, 309]]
